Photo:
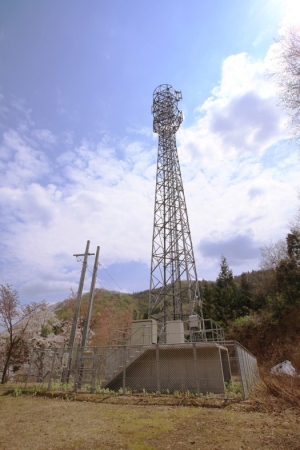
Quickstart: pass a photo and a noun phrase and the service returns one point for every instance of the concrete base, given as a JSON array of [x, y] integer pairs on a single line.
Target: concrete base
[[199, 368]]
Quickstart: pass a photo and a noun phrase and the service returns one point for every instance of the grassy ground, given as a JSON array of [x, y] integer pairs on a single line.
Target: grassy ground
[[37, 422]]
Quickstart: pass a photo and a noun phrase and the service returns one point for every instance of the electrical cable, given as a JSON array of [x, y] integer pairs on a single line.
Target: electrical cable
[[97, 279], [100, 265], [110, 277]]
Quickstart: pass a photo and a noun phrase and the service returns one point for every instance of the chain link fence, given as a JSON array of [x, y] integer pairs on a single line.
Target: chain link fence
[[207, 369]]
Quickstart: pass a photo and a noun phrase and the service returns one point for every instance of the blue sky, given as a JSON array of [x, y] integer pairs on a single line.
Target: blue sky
[[77, 151]]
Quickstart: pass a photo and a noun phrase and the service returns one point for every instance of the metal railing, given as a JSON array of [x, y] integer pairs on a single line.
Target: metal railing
[[210, 331]]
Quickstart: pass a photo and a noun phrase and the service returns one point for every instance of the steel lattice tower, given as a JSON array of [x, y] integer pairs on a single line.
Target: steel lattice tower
[[174, 288]]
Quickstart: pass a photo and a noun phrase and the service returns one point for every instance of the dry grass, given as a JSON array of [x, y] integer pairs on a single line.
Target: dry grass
[[275, 393], [39, 423]]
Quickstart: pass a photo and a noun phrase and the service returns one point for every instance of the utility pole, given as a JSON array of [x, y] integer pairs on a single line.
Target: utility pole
[[68, 356], [79, 294], [90, 304]]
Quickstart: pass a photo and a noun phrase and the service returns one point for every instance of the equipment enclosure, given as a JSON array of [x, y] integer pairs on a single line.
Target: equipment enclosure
[[207, 369]]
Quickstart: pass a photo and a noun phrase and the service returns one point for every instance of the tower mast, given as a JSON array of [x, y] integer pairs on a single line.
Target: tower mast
[[174, 288]]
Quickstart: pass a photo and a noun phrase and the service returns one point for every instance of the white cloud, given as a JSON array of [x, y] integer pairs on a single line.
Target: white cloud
[[291, 17], [239, 175], [103, 198], [45, 136], [20, 163], [237, 149]]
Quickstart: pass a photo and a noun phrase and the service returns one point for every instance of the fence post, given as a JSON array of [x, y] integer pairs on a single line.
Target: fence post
[[29, 367], [40, 374], [157, 369], [124, 371], [237, 354], [78, 369], [51, 371], [94, 370], [195, 367]]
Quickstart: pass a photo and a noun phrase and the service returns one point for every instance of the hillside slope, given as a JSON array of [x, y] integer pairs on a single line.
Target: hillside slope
[[271, 340]]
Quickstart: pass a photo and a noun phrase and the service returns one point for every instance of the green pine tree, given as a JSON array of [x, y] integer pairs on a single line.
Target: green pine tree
[[226, 294]]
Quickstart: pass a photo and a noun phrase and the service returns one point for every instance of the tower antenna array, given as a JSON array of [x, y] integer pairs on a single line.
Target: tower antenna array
[[174, 288]]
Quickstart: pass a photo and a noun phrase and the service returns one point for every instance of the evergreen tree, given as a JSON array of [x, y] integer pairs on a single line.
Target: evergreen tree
[[226, 294], [288, 271], [293, 246], [209, 296], [244, 296]]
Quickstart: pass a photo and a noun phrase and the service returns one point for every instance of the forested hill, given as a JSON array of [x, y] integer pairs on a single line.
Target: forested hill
[[111, 311], [244, 294]]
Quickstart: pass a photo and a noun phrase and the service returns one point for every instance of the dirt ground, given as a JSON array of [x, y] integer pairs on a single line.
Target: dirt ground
[[33, 422]]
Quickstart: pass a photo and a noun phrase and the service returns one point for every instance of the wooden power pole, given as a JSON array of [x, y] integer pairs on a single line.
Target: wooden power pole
[[79, 294], [86, 327], [68, 356]]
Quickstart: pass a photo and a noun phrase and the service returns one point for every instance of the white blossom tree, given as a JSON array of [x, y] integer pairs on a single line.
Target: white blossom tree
[[25, 326]]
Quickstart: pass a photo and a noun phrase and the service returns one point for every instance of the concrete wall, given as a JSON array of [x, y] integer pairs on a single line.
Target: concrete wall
[[197, 368]]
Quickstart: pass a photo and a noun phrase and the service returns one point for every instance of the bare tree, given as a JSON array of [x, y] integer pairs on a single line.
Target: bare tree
[[272, 254], [16, 320], [287, 75]]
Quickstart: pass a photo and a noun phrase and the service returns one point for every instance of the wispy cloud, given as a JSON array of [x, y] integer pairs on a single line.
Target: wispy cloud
[[20, 106], [45, 137]]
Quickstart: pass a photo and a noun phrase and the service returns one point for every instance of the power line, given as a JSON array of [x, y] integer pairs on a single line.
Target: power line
[[100, 283], [100, 265], [111, 277]]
